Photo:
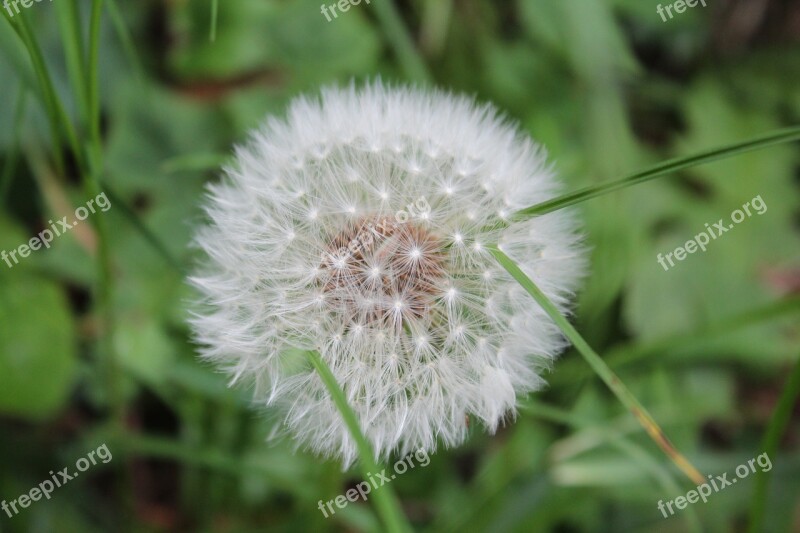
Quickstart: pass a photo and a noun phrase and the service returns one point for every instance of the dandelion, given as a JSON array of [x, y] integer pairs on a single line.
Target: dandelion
[[421, 328]]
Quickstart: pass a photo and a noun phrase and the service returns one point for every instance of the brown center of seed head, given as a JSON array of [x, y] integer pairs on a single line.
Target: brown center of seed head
[[381, 270]]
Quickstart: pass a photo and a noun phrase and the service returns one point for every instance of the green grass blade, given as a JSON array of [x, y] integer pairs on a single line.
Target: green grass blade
[[659, 472], [17, 55], [12, 158], [180, 452], [777, 426], [214, 16], [195, 163], [91, 182], [125, 39], [56, 113], [143, 230], [93, 75], [407, 54], [599, 366], [72, 43], [385, 499], [661, 169], [628, 354]]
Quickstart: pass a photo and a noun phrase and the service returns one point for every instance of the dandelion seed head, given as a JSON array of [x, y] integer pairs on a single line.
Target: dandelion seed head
[[304, 250]]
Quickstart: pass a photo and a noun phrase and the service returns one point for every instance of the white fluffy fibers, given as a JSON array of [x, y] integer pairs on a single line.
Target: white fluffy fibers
[[358, 227]]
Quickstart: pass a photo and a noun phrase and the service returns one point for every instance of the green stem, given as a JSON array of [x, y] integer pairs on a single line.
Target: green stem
[[214, 15], [91, 183], [661, 169], [777, 426], [599, 366], [385, 499], [401, 41]]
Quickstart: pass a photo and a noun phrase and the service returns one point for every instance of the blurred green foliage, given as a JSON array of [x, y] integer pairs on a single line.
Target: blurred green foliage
[[606, 86]]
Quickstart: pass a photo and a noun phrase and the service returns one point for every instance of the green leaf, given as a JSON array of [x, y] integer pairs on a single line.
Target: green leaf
[[37, 341], [735, 270], [663, 169], [266, 37], [144, 349]]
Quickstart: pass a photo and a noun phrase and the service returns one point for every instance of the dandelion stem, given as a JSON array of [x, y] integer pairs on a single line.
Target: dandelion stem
[[596, 362], [385, 499], [91, 183], [777, 425], [661, 169], [401, 41]]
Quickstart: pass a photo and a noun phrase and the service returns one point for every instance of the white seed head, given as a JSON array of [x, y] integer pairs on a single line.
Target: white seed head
[[359, 227]]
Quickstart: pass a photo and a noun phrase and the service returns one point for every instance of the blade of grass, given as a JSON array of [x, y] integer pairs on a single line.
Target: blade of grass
[[599, 366], [105, 281], [193, 455], [785, 306], [143, 230], [71, 42], [86, 87], [57, 111], [93, 90], [55, 196], [667, 167], [436, 20], [56, 115], [124, 36], [402, 43], [10, 165], [777, 425], [385, 500], [661, 474], [180, 452], [628, 354], [91, 182], [194, 162], [17, 55], [214, 15]]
